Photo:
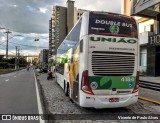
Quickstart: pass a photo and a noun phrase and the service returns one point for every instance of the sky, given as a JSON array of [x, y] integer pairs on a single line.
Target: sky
[[29, 20]]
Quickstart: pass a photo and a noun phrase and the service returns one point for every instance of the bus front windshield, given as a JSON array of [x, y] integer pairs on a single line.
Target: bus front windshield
[[112, 25]]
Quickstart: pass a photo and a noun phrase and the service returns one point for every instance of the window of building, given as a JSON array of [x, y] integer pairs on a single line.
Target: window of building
[[146, 26], [149, 28], [143, 57]]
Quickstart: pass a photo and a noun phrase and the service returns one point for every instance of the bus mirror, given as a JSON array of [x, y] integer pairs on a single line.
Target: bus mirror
[[65, 60]]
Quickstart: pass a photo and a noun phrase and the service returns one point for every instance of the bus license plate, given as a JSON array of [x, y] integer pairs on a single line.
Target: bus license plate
[[113, 99]]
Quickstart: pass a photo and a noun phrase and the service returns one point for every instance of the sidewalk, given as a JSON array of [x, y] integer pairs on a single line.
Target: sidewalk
[[56, 102], [150, 79], [148, 93]]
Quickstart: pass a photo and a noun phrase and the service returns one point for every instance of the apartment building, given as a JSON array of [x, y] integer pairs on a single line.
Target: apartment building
[[44, 57], [59, 22], [50, 39], [63, 20]]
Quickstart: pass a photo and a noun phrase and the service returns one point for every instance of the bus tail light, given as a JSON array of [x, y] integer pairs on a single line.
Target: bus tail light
[[132, 17], [137, 83], [85, 87]]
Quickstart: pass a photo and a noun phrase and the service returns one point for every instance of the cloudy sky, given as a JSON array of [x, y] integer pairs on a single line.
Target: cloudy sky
[[28, 19]]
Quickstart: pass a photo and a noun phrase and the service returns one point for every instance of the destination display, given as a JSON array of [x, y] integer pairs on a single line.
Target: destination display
[[107, 24]]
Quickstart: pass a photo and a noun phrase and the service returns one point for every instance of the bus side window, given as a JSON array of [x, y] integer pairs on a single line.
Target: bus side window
[[81, 46]]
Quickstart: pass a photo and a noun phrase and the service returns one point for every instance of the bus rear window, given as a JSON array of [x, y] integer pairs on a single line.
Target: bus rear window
[[112, 25]]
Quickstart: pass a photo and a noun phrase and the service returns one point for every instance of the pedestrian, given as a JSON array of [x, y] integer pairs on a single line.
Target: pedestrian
[[27, 68], [49, 75]]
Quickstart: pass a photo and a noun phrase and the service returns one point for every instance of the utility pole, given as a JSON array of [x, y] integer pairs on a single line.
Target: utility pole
[[7, 32], [16, 58]]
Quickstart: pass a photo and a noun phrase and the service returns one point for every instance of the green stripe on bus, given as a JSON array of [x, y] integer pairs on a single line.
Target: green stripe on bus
[[109, 82]]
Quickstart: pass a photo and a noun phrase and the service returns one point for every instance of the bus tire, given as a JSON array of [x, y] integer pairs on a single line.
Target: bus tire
[[65, 88], [68, 92]]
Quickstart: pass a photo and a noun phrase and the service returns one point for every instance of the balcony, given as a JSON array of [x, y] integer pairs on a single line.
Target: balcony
[[145, 8], [53, 45]]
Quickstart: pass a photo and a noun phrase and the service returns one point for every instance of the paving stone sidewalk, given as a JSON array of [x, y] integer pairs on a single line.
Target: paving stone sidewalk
[[57, 103]]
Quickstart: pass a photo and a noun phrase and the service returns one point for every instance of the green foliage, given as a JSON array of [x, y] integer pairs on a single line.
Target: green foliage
[[10, 63], [4, 65], [4, 71], [1, 57], [22, 61], [35, 60]]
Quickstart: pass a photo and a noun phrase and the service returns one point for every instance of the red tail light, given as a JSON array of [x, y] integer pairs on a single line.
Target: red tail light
[[85, 87], [132, 17], [137, 83]]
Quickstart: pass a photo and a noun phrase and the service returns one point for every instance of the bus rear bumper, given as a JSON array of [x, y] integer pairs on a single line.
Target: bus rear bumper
[[98, 102]]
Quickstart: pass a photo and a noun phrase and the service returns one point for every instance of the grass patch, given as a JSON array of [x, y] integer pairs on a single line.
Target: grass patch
[[4, 71]]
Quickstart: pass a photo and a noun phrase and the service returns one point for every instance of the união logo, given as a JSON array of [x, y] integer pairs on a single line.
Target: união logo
[[114, 29], [118, 40]]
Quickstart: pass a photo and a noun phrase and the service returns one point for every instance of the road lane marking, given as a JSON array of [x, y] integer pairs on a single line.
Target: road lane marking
[[149, 100], [40, 111], [7, 80]]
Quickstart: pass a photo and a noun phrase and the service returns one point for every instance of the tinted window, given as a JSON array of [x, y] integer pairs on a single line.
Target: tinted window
[[113, 25]]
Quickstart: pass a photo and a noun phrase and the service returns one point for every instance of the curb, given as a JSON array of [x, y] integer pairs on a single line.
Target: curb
[[40, 100], [149, 100]]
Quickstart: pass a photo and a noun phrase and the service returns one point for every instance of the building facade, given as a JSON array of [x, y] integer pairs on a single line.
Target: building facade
[[63, 20], [44, 57], [150, 9], [59, 22], [125, 7], [146, 28], [70, 15], [50, 39]]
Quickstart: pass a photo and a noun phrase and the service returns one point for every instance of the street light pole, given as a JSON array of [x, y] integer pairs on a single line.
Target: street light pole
[[7, 32], [17, 55], [37, 39], [18, 59]]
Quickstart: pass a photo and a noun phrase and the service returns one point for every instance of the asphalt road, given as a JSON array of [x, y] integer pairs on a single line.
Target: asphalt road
[[18, 94]]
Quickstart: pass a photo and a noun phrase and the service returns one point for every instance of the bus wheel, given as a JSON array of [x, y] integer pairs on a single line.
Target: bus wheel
[[68, 93], [68, 90], [65, 89]]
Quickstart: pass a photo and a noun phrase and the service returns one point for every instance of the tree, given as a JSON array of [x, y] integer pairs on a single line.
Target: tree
[[22, 62], [1, 57], [35, 60]]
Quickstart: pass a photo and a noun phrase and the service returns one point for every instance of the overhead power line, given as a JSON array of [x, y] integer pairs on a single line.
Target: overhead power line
[[2, 42], [26, 45], [5, 47]]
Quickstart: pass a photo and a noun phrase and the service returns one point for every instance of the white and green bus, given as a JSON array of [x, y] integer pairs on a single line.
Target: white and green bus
[[97, 64]]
